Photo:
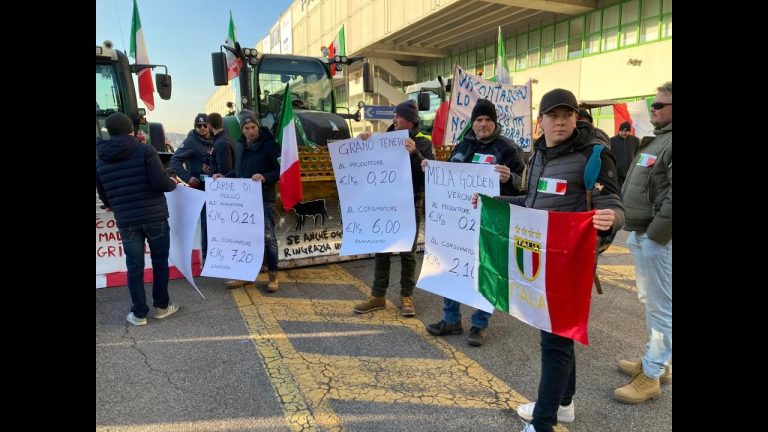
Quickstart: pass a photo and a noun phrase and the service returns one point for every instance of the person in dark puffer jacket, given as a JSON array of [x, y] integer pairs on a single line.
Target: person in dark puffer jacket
[[130, 180], [561, 154]]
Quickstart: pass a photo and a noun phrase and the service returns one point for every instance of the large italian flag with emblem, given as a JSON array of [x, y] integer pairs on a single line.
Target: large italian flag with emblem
[[537, 265]]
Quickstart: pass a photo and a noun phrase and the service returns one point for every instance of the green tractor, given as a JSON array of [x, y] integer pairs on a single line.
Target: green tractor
[[115, 92]]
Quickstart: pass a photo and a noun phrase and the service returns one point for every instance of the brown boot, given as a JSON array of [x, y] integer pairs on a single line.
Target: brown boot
[[406, 303], [639, 390], [232, 284], [631, 368], [370, 305], [272, 285]]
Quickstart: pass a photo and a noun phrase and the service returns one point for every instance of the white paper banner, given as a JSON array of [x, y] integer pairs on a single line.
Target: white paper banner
[[235, 228], [452, 229], [513, 107], [375, 193], [184, 206]]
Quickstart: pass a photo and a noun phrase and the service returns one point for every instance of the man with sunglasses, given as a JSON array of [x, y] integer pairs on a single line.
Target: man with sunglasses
[[648, 200], [191, 160]]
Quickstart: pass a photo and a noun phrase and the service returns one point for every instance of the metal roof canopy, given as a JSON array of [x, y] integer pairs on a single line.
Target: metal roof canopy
[[448, 30]]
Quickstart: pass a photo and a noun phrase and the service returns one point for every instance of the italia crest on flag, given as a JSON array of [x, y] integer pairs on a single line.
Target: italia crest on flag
[[537, 265]]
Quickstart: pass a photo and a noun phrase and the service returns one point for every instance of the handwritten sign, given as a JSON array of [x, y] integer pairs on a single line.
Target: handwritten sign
[[375, 192], [235, 214], [452, 229], [513, 107]]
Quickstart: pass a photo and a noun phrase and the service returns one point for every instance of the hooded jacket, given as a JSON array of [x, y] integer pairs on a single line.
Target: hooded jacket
[[131, 180], [259, 157], [189, 158]]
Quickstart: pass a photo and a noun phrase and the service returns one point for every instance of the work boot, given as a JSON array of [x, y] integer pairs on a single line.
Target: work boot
[[443, 328], [406, 303], [370, 305], [631, 368], [272, 285], [476, 336], [232, 284], [639, 390]]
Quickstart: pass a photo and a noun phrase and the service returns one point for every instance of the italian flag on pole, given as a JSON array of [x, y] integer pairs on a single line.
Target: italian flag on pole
[[233, 63], [139, 54], [502, 71], [337, 47], [537, 265], [290, 174]]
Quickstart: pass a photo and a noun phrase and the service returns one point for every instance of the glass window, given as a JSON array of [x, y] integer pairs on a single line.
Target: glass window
[[629, 14], [522, 52], [576, 37], [649, 27], [593, 33], [547, 45], [534, 44], [471, 61], [511, 48], [667, 7], [666, 26], [561, 41], [611, 28]]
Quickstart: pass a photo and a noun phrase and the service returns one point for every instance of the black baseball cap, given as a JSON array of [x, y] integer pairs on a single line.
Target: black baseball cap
[[557, 97]]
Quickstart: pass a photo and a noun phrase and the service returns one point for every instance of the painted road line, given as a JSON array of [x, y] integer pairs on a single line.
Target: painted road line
[[306, 383]]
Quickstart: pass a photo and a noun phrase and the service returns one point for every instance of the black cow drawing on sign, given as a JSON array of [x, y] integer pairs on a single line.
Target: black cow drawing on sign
[[311, 209]]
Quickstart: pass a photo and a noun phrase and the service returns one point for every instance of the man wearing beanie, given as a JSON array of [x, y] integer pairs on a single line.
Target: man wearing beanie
[[560, 155], [256, 156], [624, 146], [191, 161], [420, 148], [483, 140], [130, 180]]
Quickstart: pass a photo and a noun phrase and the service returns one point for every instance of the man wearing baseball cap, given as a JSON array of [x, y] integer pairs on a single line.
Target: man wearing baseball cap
[[560, 156]]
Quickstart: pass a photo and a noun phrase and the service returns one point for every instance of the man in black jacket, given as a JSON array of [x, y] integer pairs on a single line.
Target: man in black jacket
[[624, 147], [130, 180], [256, 156]]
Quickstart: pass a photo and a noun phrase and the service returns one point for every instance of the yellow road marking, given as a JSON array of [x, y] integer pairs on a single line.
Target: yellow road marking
[[307, 382], [622, 276]]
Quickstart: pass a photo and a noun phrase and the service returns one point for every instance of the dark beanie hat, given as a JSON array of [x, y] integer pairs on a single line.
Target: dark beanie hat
[[584, 113], [558, 97], [408, 110], [484, 107], [201, 118], [625, 126], [119, 124], [246, 117]]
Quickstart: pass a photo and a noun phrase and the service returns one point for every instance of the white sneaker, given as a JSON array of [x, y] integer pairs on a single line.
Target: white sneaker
[[162, 313], [136, 321], [565, 414], [529, 428]]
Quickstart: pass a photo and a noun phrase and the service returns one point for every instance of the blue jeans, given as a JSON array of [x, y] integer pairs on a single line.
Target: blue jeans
[[452, 314], [558, 380], [270, 239], [653, 268], [158, 235]]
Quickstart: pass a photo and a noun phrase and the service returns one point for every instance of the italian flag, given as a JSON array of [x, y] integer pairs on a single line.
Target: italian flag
[[646, 160], [502, 70], [290, 174], [482, 158], [139, 54], [553, 186], [537, 265], [637, 114], [337, 47], [233, 63]]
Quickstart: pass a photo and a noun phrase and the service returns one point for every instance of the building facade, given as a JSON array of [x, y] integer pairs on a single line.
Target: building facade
[[618, 50]]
